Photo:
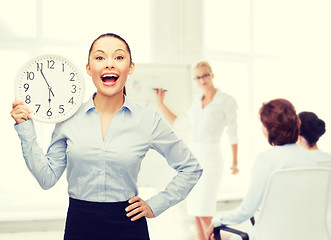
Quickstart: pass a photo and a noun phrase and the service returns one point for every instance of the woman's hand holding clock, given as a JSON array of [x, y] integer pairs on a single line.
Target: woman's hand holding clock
[[20, 112]]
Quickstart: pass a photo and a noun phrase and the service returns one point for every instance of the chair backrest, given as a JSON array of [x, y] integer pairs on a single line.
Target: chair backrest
[[296, 205]]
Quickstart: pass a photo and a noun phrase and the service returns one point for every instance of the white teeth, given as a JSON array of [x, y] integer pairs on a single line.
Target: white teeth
[[110, 75]]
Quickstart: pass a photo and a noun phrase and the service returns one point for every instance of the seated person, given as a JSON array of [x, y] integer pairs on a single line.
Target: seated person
[[281, 126], [311, 129]]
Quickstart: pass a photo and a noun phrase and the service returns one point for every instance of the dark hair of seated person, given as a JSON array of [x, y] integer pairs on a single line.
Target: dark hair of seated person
[[312, 128], [282, 123]]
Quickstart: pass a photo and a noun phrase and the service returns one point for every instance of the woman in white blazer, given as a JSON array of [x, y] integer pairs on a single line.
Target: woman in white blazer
[[211, 113]]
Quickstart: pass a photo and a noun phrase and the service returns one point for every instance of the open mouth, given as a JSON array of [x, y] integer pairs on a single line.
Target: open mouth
[[109, 78]]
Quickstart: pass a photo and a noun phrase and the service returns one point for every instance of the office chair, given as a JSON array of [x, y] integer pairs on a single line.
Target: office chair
[[296, 205]]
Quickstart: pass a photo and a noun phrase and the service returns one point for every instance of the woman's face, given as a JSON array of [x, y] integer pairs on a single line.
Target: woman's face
[[204, 77], [109, 65]]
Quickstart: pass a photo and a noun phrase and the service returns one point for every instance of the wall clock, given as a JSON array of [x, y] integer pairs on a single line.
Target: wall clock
[[51, 86]]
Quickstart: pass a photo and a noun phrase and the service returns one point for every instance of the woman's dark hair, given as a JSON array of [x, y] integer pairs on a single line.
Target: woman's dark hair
[[312, 128], [114, 36], [279, 117]]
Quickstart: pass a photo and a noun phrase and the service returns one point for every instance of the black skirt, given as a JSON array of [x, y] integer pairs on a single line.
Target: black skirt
[[102, 221]]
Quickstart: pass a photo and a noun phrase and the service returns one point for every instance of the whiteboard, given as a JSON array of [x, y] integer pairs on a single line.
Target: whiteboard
[[177, 80]]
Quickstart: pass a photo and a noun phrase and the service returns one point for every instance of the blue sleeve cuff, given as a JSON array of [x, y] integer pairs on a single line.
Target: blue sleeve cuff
[[25, 130], [158, 204]]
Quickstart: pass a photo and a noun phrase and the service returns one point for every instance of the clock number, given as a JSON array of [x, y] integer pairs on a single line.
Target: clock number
[[39, 66], [38, 106], [27, 99], [61, 109], [74, 89], [71, 100], [26, 86], [63, 67], [49, 112], [72, 76], [50, 64], [29, 75]]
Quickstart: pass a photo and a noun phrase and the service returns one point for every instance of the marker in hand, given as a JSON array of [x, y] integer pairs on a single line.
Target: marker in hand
[[157, 89]]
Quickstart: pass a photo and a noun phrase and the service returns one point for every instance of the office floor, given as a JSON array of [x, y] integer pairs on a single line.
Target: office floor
[[172, 224]]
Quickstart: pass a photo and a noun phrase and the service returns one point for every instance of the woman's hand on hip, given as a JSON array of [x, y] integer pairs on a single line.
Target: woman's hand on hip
[[138, 208], [20, 113]]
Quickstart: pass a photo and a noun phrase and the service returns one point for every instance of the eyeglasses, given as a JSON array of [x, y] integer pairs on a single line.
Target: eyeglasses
[[203, 76]]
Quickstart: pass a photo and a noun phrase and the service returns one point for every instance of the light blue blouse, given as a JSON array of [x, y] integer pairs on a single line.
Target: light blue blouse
[[107, 170]]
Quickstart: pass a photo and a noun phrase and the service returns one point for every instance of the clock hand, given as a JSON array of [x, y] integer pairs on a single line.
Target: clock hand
[[44, 78], [49, 97], [49, 87], [50, 90]]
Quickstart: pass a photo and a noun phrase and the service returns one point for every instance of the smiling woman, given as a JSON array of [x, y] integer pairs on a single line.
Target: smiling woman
[[110, 62], [44, 32], [102, 147]]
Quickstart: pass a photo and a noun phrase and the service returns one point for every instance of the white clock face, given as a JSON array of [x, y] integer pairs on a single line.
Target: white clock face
[[51, 87]]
